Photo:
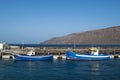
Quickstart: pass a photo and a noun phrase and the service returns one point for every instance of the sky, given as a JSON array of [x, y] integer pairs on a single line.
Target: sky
[[35, 21]]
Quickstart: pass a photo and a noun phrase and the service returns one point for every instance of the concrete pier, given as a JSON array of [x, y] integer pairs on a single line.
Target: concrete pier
[[115, 56], [59, 57]]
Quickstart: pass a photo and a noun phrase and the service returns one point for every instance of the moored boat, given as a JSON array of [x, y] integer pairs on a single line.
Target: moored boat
[[93, 55], [33, 57]]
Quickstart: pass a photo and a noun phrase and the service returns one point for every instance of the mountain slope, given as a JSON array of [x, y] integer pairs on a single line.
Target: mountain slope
[[103, 36]]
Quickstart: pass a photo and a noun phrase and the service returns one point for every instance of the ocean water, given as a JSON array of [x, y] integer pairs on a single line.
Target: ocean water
[[68, 45], [60, 70]]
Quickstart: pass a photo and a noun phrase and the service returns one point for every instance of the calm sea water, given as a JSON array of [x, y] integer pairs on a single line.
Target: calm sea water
[[68, 45], [60, 70]]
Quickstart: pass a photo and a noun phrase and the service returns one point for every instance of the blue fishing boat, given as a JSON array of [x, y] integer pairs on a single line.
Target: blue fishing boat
[[33, 57], [93, 55]]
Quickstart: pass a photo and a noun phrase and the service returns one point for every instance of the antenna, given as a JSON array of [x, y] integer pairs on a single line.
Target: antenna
[[22, 44]]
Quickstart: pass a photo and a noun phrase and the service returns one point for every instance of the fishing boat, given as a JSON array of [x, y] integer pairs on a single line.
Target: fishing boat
[[92, 55], [33, 57]]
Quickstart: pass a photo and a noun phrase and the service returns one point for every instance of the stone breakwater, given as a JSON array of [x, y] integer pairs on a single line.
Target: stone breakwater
[[56, 51]]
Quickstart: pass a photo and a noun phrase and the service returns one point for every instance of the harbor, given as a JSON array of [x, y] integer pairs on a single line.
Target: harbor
[[59, 39], [57, 52]]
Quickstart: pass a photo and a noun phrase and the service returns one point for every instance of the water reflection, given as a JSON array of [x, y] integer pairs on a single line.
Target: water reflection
[[95, 68]]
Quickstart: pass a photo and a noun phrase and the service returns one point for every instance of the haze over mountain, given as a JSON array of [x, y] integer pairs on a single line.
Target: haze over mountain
[[109, 35]]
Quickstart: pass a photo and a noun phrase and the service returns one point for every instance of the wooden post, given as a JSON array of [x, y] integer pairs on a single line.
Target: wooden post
[[114, 51]]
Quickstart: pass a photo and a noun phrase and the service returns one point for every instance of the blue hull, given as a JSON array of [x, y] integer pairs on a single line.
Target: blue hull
[[33, 58], [74, 56]]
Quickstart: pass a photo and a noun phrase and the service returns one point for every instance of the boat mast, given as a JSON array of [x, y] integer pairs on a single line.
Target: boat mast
[[74, 45], [92, 40], [22, 44]]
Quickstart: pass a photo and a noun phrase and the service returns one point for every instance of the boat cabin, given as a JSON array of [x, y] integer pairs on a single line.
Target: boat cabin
[[93, 51], [31, 53]]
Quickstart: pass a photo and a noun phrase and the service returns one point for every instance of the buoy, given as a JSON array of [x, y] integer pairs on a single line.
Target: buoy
[[116, 56], [60, 57], [11, 57]]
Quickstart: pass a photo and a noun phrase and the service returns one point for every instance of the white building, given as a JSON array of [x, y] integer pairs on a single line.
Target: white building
[[3, 46]]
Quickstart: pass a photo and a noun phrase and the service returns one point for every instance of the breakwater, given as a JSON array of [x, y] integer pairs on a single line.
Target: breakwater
[[62, 48], [56, 51]]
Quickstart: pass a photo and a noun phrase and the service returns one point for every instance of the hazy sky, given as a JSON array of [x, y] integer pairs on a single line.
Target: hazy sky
[[34, 21]]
